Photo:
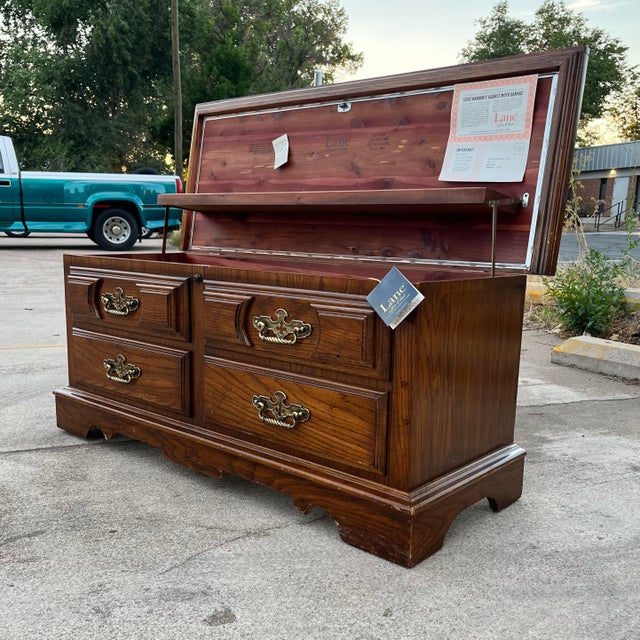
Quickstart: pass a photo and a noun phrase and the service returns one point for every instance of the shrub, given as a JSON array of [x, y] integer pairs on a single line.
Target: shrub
[[586, 295]]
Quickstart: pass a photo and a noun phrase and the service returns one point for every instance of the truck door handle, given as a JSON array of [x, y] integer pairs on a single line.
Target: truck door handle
[[5, 183]]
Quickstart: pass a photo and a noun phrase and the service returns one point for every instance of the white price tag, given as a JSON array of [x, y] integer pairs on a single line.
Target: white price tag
[[281, 151]]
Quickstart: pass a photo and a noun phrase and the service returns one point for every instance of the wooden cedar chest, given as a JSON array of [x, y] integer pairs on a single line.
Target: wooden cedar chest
[[254, 351]]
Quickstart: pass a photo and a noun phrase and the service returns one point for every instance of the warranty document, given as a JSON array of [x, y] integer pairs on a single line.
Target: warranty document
[[490, 130]]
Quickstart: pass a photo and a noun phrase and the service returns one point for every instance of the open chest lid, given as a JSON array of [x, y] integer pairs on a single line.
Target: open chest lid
[[459, 166]]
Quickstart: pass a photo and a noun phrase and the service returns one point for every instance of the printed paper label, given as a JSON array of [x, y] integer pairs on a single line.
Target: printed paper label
[[490, 130], [281, 151]]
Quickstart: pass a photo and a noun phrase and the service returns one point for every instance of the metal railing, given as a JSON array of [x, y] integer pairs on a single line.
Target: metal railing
[[615, 213]]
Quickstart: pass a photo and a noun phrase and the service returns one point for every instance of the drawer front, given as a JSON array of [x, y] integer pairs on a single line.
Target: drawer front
[[301, 328], [310, 419], [121, 302], [130, 372]]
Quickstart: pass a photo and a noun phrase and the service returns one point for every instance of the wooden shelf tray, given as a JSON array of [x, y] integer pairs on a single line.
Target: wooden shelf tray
[[468, 199]]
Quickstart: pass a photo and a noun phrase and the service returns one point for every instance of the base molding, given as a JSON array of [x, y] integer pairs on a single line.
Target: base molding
[[404, 527]]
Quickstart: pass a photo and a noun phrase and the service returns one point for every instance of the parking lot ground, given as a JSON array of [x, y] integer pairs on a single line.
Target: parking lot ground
[[106, 539]]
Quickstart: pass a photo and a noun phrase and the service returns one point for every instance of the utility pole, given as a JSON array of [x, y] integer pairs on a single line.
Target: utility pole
[[177, 88]]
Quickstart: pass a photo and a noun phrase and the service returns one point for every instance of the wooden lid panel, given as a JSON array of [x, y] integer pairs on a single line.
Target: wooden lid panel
[[390, 143], [362, 175]]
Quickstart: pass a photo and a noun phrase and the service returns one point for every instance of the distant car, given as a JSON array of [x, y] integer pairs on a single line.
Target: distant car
[[113, 209]]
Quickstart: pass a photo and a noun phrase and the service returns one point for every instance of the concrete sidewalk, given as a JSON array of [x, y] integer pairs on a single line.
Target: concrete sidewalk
[[108, 540]]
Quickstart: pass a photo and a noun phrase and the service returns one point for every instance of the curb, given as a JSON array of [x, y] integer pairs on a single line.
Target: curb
[[599, 356], [536, 293]]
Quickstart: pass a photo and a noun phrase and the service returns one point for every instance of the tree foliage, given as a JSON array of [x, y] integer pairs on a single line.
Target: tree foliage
[[554, 27], [623, 111], [81, 80], [86, 84], [232, 48]]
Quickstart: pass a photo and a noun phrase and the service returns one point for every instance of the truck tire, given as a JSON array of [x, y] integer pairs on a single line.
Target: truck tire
[[115, 230], [17, 234]]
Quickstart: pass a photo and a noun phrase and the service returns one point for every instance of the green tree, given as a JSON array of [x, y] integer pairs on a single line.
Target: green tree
[[81, 80], [232, 48], [86, 84], [623, 110], [554, 27], [498, 36]]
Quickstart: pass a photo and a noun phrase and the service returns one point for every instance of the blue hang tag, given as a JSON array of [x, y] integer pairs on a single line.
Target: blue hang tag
[[394, 298]]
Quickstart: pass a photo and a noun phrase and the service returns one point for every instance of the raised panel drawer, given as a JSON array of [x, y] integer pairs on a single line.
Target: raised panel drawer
[[343, 424], [131, 372], [121, 302], [299, 328]]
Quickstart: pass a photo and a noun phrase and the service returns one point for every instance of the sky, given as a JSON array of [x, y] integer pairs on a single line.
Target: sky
[[396, 36]]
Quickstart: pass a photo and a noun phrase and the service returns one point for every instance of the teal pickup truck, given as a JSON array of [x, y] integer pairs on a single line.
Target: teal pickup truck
[[113, 209]]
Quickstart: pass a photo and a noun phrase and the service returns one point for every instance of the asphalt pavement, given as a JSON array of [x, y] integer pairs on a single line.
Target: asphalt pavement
[[109, 540], [612, 243]]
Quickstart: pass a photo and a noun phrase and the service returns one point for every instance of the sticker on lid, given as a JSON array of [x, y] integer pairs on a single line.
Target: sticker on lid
[[281, 151]]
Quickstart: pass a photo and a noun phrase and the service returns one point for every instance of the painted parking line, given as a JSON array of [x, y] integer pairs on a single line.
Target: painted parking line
[[32, 346]]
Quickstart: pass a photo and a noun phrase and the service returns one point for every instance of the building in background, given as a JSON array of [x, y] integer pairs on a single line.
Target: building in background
[[607, 181]]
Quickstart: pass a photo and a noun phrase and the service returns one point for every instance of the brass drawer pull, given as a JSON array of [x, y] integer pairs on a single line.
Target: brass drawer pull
[[283, 332], [279, 414], [120, 371], [117, 304]]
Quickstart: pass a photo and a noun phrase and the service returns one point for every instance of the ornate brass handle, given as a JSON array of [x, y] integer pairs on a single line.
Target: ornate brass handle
[[279, 330], [120, 371], [279, 414], [117, 304]]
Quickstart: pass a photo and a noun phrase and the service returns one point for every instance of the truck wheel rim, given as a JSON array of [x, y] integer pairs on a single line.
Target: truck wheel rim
[[117, 230]]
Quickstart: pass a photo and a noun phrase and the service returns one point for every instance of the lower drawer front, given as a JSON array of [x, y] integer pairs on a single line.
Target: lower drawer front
[[130, 372], [312, 419]]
